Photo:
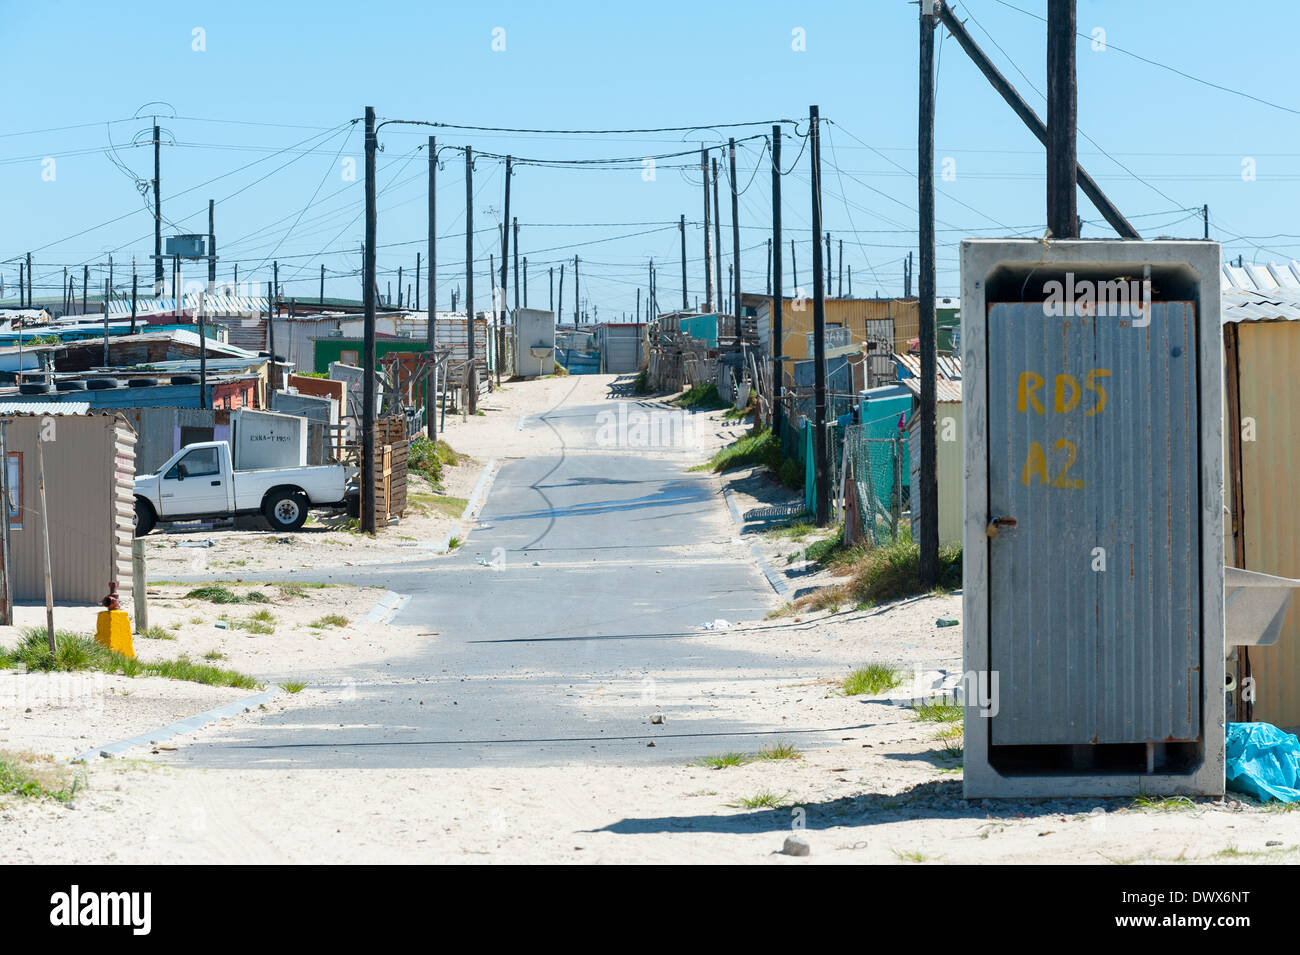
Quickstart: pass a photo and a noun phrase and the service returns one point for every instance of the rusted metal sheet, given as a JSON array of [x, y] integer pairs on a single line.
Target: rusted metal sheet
[[1095, 600]]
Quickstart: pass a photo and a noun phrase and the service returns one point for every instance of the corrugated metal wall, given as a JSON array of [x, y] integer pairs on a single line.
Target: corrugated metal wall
[[1268, 356], [89, 484], [948, 423]]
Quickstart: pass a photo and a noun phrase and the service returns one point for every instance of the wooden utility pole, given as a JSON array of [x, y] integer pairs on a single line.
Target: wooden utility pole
[[515, 257], [717, 235], [270, 339], [577, 292], [769, 266], [708, 236], [6, 578], [830, 261], [417, 283], [431, 325], [107, 290], [1062, 121], [369, 518], [928, 490], [505, 273], [777, 299], [45, 538], [85, 284], [681, 227], [550, 281], [1022, 109], [525, 271], [399, 289], [157, 212], [135, 289], [212, 248], [794, 268], [820, 467], [322, 285], [203, 352], [735, 236], [840, 294], [471, 378], [559, 302]]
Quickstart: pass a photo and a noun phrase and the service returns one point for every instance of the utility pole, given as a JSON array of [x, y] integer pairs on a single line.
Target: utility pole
[[22, 286], [794, 268], [417, 282], [822, 499], [515, 259], [550, 279], [6, 573], [559, 303], [29, 280], [322, 285], [399, 289], [369, 518], [735, 236], [778, 302], [928, 490], [840, 294], [1062, 121], [769, 266], [45, 537], [829, 262], [270, 337], [431, 326], [157, 212], [471, 378], [708, 238], [135, 287], [203, 347], [1205, 218], [505, 272], [85, 284], [108, 286], [681, 226], [717, 234], [577, 291], [212, 248], [525, 272]]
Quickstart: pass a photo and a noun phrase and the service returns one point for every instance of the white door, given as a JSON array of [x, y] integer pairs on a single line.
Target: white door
[[194, 485]]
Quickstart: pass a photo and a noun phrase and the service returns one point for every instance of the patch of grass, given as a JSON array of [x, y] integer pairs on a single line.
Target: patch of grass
[[217, 594], [560, 371], [154, 633], [952, 740], [937, 711], [453, 543], [330, 620], [293, 686], [701, 398], [910, 856], [31, 779], [722, 760], [299, 589], [892, 571], [763, 448], [440, 503], [250, 624], [214, 655], [76, 651], [785, 610], [431, 459], [780, 750], [642, 384], [738, 414], [763, 799], [1162, 803], [871, 679], [795, 530]]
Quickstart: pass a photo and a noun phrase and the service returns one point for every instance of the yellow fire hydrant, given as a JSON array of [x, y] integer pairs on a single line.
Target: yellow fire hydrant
[[113, 628]]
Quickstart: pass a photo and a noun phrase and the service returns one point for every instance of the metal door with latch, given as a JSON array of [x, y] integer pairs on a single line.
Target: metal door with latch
[[1094, 534]]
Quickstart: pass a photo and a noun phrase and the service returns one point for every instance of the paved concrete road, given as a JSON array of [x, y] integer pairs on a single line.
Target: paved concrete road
[[602, 560]]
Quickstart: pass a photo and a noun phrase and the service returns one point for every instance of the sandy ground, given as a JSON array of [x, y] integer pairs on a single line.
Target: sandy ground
[[871, 782]]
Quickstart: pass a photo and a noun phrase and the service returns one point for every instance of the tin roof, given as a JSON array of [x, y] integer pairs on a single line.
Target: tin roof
[[946, 390], [948, 366], [214, 306], [44, 407]]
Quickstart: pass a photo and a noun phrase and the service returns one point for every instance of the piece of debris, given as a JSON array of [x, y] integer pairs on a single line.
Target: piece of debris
[[651, 743], [1273, 842], [658, 719], [205, 542], [221, 625], [718, 624], [796, 846], [946, 622]]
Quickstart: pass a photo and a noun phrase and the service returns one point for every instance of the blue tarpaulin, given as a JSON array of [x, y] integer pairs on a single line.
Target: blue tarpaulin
[[1262, 761]]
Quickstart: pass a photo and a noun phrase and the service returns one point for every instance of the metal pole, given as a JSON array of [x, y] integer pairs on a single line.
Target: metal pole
[[928, 489], [735, 236], [717, 234], [368, 516], [139, 584], [708, 236], [681, 225], [820, 469], [431, 326], [157, 212], [6, 585]]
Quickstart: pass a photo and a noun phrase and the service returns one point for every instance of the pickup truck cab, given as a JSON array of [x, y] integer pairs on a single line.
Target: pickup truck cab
[[199, 482]]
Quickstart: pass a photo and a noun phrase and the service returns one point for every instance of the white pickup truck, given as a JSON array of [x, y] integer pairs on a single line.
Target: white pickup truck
[[199, 482]]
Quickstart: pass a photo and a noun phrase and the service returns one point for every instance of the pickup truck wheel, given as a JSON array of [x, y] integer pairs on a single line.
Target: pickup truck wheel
[[144, 519], [286, 510]]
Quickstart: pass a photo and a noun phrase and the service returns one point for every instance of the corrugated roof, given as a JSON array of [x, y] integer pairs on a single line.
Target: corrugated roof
[[44, 407], [948, 366], [214, 306], [1241, 305], [945, 390]]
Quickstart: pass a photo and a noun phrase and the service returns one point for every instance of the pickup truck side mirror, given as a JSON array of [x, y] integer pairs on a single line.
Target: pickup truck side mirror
[[182, 472]]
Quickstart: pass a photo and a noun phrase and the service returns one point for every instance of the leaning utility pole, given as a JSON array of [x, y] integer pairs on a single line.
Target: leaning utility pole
[[681, 225], [157, 212], [708, 244], [717, 233], [820, 468], [431, 325], [369, 518], [735, 236], [471, 377], [928, 488], [1062, 121], [777, 300]]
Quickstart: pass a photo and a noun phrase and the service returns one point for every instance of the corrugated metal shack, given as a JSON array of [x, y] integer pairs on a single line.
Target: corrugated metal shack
[[1261, 332], [89, 489]]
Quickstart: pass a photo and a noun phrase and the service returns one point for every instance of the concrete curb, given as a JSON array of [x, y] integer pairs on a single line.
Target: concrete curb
[[387, 607], [774, 578], [481, 487], [188, 725]]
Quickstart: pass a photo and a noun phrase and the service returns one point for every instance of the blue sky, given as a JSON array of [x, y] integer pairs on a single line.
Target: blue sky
[[259, 120]]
